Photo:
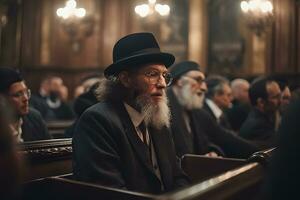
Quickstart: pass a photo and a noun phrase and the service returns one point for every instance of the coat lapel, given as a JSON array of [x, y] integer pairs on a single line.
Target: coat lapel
[[139, 147], [159, 138]]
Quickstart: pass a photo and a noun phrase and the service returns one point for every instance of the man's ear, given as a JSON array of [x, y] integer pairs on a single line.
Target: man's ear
[[125, 79]]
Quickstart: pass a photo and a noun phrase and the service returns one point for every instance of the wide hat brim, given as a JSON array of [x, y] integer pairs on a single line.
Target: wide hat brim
[[137, 60]]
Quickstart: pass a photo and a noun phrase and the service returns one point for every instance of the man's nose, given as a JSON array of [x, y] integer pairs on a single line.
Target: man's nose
[[161, 82], [204, 87]]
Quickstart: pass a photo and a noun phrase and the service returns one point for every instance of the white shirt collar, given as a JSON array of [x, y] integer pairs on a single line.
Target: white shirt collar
[[135, 116], [214, 108]]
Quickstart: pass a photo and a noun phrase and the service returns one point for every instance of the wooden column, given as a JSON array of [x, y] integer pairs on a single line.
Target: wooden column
[[284, 45], [197, 41]]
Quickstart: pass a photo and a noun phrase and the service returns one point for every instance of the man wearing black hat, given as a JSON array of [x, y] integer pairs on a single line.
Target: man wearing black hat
[[28, 124], [123, 141], [194, 130]]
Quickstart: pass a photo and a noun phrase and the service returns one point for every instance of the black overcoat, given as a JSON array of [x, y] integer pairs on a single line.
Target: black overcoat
[[108, 151], [206, 132]]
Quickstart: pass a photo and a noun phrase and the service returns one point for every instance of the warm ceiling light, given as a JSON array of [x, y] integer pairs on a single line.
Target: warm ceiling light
[[258, 13], [70, 10], [145, 10]]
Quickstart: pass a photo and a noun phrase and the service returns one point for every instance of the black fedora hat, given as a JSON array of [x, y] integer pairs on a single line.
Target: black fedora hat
[[134, 50]]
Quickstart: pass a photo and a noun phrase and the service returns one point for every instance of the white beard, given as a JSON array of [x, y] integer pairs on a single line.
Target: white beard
[[189, 99], [156, 115]]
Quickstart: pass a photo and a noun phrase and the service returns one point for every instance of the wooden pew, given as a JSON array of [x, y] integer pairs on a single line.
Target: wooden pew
[[61, 189], [241, 183], [200, 168], [46, 158], [57, 128]]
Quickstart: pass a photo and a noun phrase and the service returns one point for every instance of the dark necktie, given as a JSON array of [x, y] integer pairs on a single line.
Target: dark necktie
[[142, 128]]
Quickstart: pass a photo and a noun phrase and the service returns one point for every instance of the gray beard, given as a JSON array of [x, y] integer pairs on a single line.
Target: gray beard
[[156, 115], [188, 99]]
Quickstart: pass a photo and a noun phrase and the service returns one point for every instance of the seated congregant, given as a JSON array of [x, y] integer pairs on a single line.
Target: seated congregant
[[52, 100], [123, 141], [81, 103], [240, 108], [263, 120], [27, 123], [194, 130], [218, 99]]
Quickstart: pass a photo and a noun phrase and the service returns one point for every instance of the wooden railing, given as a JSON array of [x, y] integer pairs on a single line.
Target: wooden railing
[[213, 178], [47, 158], [57, 128]]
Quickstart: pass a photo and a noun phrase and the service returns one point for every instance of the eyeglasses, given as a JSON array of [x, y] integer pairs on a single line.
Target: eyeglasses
[[198, 79], [154, 77], [20, 94]]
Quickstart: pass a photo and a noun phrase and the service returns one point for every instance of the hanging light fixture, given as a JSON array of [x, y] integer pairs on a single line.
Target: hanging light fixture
[[258, 14], [152, 7], [75, 23], [70, 10]]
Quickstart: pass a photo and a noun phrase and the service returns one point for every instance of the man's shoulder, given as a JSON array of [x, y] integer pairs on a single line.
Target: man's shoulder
[[102, 110], [253, 125], [100, 107], [33, 113]]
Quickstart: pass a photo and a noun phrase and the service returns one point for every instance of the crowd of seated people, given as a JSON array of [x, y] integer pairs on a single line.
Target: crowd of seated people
[[51, 100], [130, 129]]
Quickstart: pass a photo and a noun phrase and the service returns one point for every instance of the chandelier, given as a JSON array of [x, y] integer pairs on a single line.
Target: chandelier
[[151, 8], [70, 10], [75, 23], [258, 14]]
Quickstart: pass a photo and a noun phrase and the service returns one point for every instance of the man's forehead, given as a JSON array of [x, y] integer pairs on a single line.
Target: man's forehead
[[18, 86], [273, 87]]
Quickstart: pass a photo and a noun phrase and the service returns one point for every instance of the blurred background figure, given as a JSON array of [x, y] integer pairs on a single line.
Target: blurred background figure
[[218, 99], [240, 108], [10, 163], [27, 124], [81, 103], [262, 121], [52, 100], [38, 100], [194, 130], [86, 83], [283, 176], [285, 95]]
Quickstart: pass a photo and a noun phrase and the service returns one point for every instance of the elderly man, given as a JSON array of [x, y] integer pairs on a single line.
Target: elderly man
[[123, 141], [218, 98], [194, 130], [27, 124], [241, 107], [262, 122]]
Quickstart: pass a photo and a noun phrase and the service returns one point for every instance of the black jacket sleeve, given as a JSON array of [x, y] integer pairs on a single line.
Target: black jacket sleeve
[[232, 145]]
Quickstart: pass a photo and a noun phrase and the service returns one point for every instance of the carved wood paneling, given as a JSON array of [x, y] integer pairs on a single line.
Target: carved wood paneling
[[284, 36]]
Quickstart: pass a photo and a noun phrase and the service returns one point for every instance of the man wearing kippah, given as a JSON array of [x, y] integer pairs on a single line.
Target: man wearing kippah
[[124, 141], [27, 124], [194, 130]]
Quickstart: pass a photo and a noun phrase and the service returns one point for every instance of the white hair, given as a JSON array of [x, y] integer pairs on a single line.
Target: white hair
[[156, 115], [188, 98]]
